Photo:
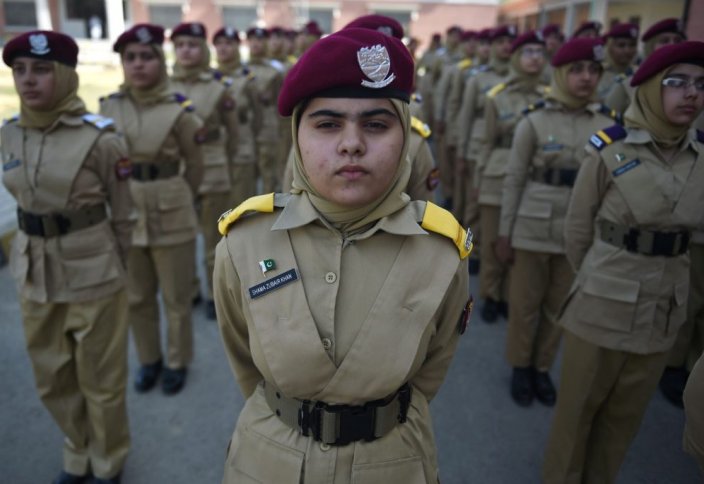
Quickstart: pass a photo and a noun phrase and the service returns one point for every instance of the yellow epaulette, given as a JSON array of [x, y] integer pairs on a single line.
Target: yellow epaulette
[[440, 221], [464, 64], [260, 203], [12, 119], [292, 59], [546, 90], [496, 89], [420, 127]]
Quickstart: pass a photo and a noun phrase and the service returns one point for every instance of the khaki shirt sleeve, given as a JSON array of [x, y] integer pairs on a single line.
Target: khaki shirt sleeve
[[186, 127], [228, 114], [617, 97], [443, 344], [465, 117], [421, 166], [252, 94], [522, 150], [227, 294], [440, 94], [491, 131], [587, 195], [287, 181]]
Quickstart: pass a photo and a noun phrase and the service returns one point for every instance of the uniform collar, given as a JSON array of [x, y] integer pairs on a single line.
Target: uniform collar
[[640, 137]]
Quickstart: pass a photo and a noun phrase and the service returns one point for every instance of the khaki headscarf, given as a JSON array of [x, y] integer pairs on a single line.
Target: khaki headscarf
[[349, 220], [500, 66], [159, 92], [646, 112], [520, 79], [65, 100], [560, 93], [192, 74], [230, 66]]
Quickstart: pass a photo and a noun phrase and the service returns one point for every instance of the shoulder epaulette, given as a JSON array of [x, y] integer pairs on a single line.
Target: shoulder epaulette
[[700, 136], [417, 97], [276, 64], [464, 64], [620, 77], [420, 127], [100, 122], [437, 219], [226, 81], [480, 69], [11, 119], [260, 203], [112, 95], [292, 59], [534, 107], [605, 137], [185, 103], [496, 89], [612, 113]]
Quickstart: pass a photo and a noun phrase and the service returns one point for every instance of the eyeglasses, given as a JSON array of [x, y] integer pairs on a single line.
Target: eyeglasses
[[536, 52], [683, 83]]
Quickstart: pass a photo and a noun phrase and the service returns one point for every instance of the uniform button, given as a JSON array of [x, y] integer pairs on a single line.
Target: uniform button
[[327, 344], [324, 446], [330, 277]]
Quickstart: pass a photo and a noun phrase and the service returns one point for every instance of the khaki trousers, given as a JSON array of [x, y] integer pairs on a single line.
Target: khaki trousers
[[267, 152], [171, 269], [690, 339], [244, 182], [603, 396], [446, 164], [470, 215], [539, 285], [493, 275], [212, 205], [79, 357]]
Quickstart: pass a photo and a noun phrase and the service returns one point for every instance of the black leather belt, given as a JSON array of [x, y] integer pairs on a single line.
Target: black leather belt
[[340, 424], [559, 177], [646, 242], [59, 223], [154, 171]]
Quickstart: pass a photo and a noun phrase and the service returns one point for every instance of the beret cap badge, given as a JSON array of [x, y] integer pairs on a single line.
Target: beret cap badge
[[599, 53], [375, 64], [39, 44], [143, 35]]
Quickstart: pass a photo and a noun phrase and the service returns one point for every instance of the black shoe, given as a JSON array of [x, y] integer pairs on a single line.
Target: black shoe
[[522, 386], [147, 375], [503, 309], [672, 384], [490, 311], [173, 380], [543, 388], [210, 310], [67, 478], [111, 480], [473, 266]]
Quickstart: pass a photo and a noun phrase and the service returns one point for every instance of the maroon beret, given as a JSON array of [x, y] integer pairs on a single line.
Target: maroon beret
[[352, 62], [277, 31], [312, 28], [190, 29], [141, 34], [42, 44], [623, 31], [673, 25], [530, 37], [551, 29], [382, 23], [485, 34], [588, 25], [579, 49], [257, 32], [291, 34], [228, 33], [504, 31], [454, 29], [690, 52], [437, 37], [468, 35]]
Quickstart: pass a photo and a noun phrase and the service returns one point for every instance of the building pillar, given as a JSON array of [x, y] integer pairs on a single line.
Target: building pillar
[[569, 25], [115, 18], [599, 10], [43, 15]]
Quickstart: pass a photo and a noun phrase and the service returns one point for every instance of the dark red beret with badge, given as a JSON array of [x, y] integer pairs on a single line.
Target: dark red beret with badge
[[382, 23], [436, 37], [530, 37], [579, 49], [485, 34], [258, 33], [551, 29], [312, 28], [468, 35], [504, 31], [454, 29], [623, 31], [690, 52], [42, 44], [190, 29], [230, 33], [670, 25], [140, 34], [588, 25], [353, 62], [277, 31]]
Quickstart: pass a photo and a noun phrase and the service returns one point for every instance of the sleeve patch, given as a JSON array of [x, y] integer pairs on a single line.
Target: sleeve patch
[[466, 314], [123, 168], [433, 179]]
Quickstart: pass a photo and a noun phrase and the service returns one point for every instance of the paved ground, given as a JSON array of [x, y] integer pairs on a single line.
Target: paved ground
[[482, 436]]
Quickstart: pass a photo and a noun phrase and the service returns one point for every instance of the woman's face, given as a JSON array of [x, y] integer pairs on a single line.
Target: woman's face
[[34, 82], [623, 50], [582, 78], [141, 65], [188, 51], [683, 94], [226, 49], [351, 148], [532, 58]]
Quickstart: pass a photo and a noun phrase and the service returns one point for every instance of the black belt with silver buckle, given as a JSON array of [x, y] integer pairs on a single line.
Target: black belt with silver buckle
[[59, 223], [559, 177], [154, 171], [646, 242]]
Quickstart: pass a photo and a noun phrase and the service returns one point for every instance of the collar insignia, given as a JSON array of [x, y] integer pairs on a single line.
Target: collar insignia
[[375, 64], [39, 44]]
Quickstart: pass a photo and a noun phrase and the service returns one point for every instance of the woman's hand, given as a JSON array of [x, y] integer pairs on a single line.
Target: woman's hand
[[503, 250]]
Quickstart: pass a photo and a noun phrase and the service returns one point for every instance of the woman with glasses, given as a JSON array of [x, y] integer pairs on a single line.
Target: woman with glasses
[[542, 166], [637, 198]]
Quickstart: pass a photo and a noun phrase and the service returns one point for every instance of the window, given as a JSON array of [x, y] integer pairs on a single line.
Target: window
[[169, 16], [324, 18], [20, 13], [404, 18], [241, 18]]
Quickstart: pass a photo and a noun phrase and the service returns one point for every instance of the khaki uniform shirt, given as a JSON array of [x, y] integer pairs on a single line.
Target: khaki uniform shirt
[[609, 77], [622, 300], [620, 95], [215, 106], [458, 76], [370, 309], [503, 110], [268, 82], [248, 116], [72, 165], [548, 138], [161, 133]]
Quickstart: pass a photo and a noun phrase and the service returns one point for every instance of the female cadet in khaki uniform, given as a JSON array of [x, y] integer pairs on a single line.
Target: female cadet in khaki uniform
[[637, 197], [63, 166], [621, 50], [214, 104], [504, 104], [340, 302], [162, 132], [540, 173]]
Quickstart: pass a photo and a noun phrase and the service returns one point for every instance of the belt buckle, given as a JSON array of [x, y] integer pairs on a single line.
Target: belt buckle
[[153, 171], [350, 423]]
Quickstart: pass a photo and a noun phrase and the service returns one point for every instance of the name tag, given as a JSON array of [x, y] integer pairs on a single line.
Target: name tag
[[273, 284], [627, 167], [553, 147], [11, 164]]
